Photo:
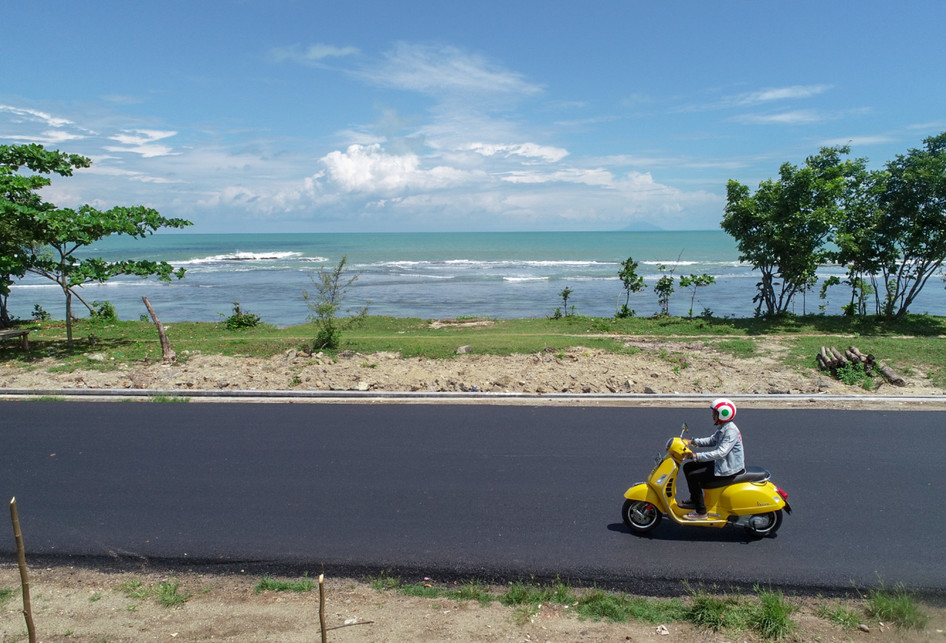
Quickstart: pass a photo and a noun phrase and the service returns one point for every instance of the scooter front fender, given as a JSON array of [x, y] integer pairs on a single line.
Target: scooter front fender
[[642, 491]]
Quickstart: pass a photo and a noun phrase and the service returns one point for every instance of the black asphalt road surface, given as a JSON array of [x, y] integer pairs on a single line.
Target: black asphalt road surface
[[467, 491]]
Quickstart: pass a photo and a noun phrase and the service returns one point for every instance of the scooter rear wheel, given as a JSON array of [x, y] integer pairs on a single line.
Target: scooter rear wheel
[[640, 516], [761, 525]]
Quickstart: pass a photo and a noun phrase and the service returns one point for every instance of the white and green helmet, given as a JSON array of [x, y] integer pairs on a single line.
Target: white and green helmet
[[725, 408]]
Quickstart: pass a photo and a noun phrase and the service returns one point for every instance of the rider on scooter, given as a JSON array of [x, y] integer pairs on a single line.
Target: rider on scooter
[[725, 460]]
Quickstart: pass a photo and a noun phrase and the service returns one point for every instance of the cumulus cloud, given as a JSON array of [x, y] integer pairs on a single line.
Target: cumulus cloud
[[368, 168]]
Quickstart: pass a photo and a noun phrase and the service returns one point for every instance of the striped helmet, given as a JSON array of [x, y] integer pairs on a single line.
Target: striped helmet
[[725, 408]]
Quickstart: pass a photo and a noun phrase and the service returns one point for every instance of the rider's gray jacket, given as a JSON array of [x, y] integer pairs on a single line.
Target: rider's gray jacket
[[727, 453]]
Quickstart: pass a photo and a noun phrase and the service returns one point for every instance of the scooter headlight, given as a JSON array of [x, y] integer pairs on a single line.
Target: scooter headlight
[[669, 442]]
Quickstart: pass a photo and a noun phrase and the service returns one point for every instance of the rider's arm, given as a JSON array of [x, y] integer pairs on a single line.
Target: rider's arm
[[727, 440]]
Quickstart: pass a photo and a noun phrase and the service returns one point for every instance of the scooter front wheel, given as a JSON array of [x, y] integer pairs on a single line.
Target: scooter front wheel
[[640, 516]]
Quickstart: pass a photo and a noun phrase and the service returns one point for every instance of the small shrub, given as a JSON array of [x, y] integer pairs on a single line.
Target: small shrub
[[240, 320], [854, 375], [39, 314], [104, 311]]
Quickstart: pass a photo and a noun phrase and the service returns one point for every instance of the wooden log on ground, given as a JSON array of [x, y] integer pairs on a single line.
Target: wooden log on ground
[[890, 375], [838, 357]]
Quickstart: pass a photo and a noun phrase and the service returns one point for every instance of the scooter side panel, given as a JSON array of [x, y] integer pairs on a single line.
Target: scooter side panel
[[751, 498]]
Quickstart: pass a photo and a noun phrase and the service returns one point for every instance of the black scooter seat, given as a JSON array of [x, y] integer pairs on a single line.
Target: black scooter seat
[[751, 474]]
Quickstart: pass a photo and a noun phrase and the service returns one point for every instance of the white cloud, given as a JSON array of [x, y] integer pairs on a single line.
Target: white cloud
[[782, 93], [313, 54], [598, 177], [368, 168], [796, 117], [35, 115], [140, 141], [526, 150], [444, 70]]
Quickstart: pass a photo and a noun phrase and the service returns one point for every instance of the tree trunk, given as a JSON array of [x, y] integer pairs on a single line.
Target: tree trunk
[[166, 352]]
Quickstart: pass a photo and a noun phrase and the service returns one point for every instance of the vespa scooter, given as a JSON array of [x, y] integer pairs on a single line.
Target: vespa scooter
[[750, 500]]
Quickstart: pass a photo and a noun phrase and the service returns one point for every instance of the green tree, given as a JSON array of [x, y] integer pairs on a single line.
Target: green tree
[[783, 228], [694, 282], [632, 283], [912, 225], [331, 286], [565, 294], [664, 288], [20, 205], [64, 231]]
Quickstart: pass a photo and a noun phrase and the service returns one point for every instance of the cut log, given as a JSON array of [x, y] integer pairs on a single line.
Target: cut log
[[890, 375], [838, 358]]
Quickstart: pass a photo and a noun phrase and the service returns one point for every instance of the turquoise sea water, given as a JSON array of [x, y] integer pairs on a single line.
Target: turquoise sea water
[[428, 275]]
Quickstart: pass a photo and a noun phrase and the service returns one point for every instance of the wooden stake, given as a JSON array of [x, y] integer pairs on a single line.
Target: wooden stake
[[24, 574], [166, 352], [322, 607]]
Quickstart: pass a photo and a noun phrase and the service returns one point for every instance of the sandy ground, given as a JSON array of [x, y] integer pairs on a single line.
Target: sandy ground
[[75, 604]]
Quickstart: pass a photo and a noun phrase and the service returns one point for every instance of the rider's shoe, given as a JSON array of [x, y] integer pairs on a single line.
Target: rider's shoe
[[687, 504]]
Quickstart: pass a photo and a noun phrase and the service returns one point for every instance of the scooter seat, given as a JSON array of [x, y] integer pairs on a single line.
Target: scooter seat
[[751, 474]]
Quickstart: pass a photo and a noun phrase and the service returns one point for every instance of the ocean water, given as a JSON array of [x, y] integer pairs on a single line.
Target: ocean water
[[428, 275]]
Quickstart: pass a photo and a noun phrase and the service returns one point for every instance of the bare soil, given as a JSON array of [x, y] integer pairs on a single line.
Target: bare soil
[[78, 604], [659, 367]]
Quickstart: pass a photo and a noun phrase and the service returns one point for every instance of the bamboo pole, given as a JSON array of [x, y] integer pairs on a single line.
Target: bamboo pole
[[322, 607], [24, 574]]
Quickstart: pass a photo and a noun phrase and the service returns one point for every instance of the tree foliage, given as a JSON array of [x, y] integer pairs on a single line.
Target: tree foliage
[[783, 228], [42, 238], [631, 282], [887, 228], [911, 231]]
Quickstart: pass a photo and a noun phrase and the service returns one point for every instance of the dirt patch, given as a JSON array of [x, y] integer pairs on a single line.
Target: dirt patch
[[648, 367], [74, 604]]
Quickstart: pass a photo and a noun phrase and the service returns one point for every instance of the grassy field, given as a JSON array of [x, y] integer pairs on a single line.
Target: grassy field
[[912, 344]]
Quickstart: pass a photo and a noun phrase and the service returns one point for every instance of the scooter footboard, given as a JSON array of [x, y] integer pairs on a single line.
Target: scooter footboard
[[752, 498], [641, 491]]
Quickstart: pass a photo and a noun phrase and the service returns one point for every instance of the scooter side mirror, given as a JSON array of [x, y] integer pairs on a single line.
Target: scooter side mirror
[[684, 429]]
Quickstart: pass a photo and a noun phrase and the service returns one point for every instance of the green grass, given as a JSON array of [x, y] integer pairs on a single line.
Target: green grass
[[911, 347], [167, 593], [839, 614], [270, 584], [897, 606], [6, 594], [766, 613]]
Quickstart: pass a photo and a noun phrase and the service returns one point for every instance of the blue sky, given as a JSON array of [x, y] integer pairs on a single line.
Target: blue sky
[[296, 116]]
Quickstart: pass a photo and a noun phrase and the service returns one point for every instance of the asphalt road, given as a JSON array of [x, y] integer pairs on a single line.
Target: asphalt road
[[487, 491]]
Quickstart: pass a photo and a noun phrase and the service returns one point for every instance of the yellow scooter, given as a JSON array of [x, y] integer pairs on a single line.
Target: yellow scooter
[[750, 500]]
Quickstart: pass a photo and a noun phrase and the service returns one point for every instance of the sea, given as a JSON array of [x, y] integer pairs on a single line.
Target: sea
[[432, 275]]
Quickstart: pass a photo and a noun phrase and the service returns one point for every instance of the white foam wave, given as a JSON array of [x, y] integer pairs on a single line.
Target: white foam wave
[[240, 256]]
